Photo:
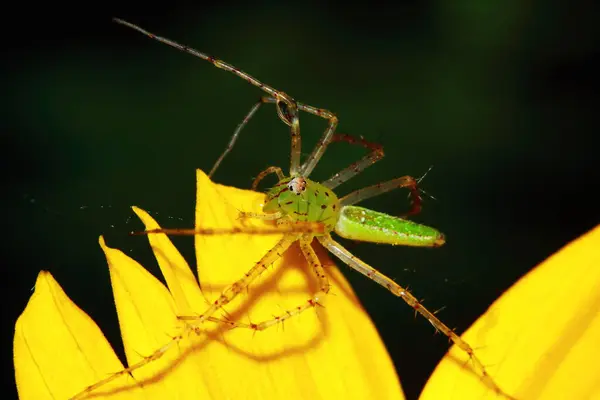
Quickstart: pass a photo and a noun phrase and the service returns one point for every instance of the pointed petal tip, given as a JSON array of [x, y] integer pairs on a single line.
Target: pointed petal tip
[[44, 281], [203, 181], [200, 173], [43, 275], [146, 218], [137, 210]]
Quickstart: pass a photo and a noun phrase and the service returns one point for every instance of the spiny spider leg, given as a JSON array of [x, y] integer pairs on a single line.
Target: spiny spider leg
[[238, 129], [287, 107], [277, 216], [264, 173], [312, 160], [289, 228], [216, 62], [226, 296], [315, 300], [355, 263], [241, 284], [375, 154], [383, 187]]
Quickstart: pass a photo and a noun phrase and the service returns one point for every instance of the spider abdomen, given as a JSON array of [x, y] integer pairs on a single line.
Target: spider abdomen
[[359, 223]]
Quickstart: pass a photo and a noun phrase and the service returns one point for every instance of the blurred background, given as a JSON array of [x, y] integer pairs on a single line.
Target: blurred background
[[499, 98]]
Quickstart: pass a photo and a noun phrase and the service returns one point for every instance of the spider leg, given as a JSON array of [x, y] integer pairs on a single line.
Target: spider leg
[[314, 301], [226, 296], [238, 129], [264, 173], [355, 263], [384, 187], [290, 227], [375, 154], [317, 153], [287, 108]]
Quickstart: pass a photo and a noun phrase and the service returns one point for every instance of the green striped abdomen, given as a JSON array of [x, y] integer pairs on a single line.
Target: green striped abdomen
[[362, 224]]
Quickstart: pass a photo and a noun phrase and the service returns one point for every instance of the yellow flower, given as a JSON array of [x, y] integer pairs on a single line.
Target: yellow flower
[[539, 340], [334, 352]]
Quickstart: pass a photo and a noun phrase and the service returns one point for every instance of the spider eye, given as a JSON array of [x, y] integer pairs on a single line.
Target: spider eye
[[287, 112], [297, 185]]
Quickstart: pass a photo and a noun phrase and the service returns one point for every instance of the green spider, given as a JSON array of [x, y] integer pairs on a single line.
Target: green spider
[[304, 210]]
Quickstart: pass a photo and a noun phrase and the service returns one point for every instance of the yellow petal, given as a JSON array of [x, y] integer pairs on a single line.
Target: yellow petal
[[147, 317], [333, 352], [541, 339], [178, 275], [329, 352], [58, 349]]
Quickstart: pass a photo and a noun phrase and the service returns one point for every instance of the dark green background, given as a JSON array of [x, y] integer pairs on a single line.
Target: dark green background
[[500, 99]]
